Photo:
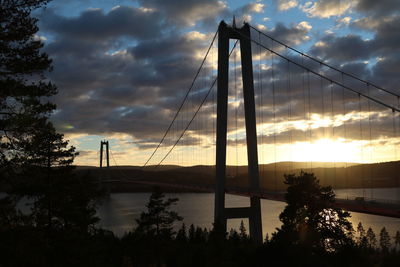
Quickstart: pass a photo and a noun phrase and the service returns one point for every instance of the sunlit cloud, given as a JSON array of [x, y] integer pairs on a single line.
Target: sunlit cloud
[[287, 4], [327, 8]]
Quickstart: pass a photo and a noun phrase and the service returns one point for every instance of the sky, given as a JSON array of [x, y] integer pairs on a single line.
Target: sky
[[122, 69]]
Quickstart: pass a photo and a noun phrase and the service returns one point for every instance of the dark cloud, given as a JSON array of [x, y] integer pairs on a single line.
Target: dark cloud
[[95, 25], [293, 35], [127, 70], [188, 12], [382, 7], [342, 49]]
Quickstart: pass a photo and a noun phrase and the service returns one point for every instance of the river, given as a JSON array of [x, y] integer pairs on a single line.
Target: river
[[118, 213]]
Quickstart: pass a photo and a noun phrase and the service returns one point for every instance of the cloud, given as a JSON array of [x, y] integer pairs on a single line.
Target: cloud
[[126, 71], [287, 4], [343, 22], [342, 49], [188, 12], [327, 8], [94, 24], [378, 8], [292, 35]]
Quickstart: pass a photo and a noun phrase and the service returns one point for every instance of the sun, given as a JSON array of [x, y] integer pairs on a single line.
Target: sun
[[328, 150]]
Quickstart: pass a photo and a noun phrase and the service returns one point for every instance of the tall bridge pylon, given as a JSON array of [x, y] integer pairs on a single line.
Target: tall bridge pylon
[[107, 152], [221, 213]]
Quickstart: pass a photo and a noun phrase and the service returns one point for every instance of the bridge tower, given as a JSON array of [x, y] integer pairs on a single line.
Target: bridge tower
[[221, 213], [104, 143]]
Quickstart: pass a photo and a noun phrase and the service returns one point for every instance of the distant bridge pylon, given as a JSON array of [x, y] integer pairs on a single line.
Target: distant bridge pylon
[[107, 153]]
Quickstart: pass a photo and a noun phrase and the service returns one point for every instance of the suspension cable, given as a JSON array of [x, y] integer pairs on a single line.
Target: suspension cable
[[317, 74], [183, 101], [325, 64], [195, 114]]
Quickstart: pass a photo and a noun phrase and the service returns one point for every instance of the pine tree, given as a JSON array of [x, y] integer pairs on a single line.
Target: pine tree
[[362, 238], [233, 235], [158, 220], [35, 160], [243, 232], [310, 218], [266, 240], [24, 89], [371, 238], [397, 239], [192, 233], [384, 240], [182, 234], [200, 235]]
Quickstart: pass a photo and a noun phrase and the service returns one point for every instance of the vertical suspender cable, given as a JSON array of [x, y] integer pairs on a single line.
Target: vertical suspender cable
[[289, 96], [332, 123], [361, 146], [304, 101], [274, 112], [370, 145], [309, 116], [397, 136], [236, 114], [324, 179], [345, 138]]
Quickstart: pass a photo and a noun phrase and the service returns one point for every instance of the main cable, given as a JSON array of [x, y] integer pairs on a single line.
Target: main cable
[[183, 101], [323, 63], [319, 75], [197, 111]]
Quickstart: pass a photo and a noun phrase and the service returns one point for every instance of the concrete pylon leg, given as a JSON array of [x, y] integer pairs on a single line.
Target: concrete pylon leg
[[101, 154]]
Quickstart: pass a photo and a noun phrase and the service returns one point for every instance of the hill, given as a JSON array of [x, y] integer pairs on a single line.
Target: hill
[[337, 175]]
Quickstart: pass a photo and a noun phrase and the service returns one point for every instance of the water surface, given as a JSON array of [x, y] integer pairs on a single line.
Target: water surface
[[119, 212]]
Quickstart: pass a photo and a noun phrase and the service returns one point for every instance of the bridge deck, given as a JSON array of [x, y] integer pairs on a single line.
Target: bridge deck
[[369, 207]]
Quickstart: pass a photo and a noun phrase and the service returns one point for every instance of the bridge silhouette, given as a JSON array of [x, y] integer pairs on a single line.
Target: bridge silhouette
[[285, 103]]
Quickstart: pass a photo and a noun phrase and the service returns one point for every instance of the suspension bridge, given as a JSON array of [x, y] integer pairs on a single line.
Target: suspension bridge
[[239, 124]]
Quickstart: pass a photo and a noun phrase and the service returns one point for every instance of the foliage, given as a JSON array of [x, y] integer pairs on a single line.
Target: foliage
[[384, 240], [35, 160], [397, 239], [243, 232], [310, 219], [361, 240], [371, 237], [24, 89], [158, 220]]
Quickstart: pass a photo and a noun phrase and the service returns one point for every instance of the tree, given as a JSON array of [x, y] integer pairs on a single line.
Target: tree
[[371, 238], [35, 160], [310, 219], [182, 234], [192, 233], [397, 239], [384, 240], [23, 109], [243, 232], [158, 220], [362, 238], [24, 89]]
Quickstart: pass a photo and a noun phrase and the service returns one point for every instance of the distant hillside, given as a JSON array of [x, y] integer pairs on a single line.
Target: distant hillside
[[338, 175]]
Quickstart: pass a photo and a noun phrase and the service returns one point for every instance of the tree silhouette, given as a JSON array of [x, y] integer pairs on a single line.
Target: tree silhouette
[[35, 160], [397, 239], [182, 234], [243, 232], [362, 238], [310, 219], [158, 220], [24, 89], [384, 240], [371, 237]]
